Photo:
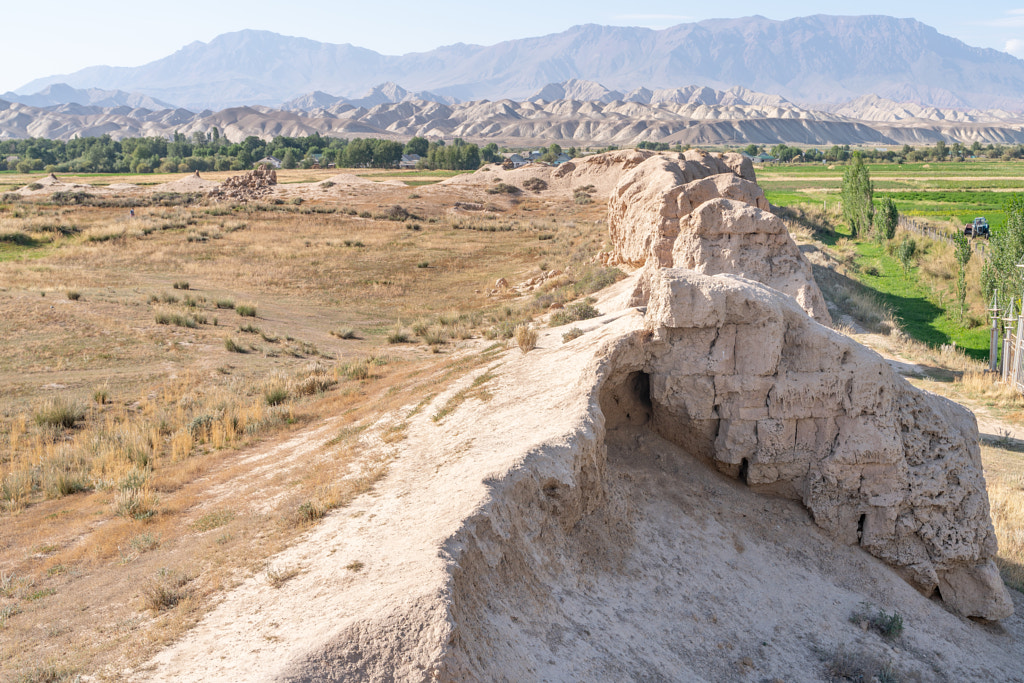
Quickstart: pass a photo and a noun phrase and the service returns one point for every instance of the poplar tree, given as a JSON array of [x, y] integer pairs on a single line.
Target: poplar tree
[[886, 219], [1005, 251], [857, 194]]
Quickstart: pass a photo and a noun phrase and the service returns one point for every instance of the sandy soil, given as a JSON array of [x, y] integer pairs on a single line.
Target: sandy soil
[[459, 566]]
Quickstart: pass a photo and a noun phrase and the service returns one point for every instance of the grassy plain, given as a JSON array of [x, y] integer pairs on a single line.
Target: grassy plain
[[945, 193], [185, 391], [942, 195]]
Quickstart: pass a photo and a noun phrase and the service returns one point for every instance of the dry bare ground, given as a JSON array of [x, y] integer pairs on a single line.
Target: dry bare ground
[[215, 365], [220, 537]]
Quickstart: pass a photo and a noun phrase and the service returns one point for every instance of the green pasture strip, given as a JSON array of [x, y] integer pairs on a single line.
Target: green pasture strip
[[923, 315], [960, 206], [922, 311], [934, 169], [33, 250], [783, 198]]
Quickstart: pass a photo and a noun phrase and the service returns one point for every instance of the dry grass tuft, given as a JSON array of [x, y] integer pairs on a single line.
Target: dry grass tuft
[[859, 665], [278, 576], [165, 591], [246, 310], [981, 385], [526, 337], [60, 413], [399, 335], [1004, 474]]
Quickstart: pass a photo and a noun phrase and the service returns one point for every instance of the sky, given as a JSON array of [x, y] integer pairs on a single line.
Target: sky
[[61, 36]]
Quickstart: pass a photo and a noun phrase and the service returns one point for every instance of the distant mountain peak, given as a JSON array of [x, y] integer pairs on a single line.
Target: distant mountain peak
[[56, 94], [816, 59]]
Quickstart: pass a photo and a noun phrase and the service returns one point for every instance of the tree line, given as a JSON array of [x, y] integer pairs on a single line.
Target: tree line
[[213, 152], [940, 151]]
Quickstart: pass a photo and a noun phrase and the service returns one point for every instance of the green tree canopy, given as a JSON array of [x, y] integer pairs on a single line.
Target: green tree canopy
[[1005, 251], [886, 219], [416, 145], [857, 193]]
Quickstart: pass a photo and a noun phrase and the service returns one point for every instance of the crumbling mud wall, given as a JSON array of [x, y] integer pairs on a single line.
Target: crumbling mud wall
[[580, 547], [248, 186], [698, 214], [707, 466], [742, 377]]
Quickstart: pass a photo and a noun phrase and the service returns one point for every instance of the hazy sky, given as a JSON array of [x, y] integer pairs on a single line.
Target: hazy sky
[[58, 36]]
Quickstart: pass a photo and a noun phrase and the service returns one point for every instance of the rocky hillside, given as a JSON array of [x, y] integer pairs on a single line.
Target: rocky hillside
[[809, 59], [694, 116]]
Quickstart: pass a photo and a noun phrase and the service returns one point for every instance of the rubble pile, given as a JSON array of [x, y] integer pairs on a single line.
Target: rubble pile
[[255, 184]]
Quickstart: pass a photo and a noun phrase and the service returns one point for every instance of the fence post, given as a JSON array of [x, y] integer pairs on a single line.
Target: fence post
[[1016, 353], [1008, 341], [993, 344]]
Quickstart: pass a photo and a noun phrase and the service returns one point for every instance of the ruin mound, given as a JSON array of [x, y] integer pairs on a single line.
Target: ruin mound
[[703, 485], [255, 184], [748, 381]]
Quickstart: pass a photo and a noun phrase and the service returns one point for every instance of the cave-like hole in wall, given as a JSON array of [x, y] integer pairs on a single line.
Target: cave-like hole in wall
[[627, 402]]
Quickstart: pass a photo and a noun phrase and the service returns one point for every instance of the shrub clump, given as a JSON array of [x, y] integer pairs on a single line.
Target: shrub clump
[[582, 195], [398, 213], [889, 626], [60, 413], [571, 334], [165, 591], [275, 394], [526, 337], [345, 333], [535, 184], [503, 188], [581, 310], [178, 319], [246, 310]]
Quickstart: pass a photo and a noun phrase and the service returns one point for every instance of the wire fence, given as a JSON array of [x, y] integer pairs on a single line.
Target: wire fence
[[978, 246]]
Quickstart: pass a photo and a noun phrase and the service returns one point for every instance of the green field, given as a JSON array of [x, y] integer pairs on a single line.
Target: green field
[[923, 316], [942, 194]]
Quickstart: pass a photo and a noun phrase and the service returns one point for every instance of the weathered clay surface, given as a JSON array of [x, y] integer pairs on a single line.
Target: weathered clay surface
[[701, 213], [646, 206], [741, 376], [730, 236]]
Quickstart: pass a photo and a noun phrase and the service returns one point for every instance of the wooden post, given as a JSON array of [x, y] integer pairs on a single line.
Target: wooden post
[[993, 344], [1008, 325]]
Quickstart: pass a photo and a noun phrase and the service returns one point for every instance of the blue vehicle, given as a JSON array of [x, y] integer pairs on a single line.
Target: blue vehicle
[[979, 228]]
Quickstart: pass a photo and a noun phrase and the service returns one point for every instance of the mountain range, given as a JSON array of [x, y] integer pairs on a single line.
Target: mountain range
[[813, 60], [692, 115]]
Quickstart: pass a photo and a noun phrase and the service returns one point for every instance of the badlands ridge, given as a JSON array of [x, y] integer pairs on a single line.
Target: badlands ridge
[[705, 485], [572, 113]]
